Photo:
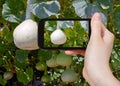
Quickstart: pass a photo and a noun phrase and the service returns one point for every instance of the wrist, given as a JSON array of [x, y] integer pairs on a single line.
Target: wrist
[[101, 74]]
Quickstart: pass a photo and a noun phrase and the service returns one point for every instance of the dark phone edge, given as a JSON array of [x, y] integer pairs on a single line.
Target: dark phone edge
[[41, 35]]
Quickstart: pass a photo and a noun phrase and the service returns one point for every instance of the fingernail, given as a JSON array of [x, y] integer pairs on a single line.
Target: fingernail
[[97, 16]]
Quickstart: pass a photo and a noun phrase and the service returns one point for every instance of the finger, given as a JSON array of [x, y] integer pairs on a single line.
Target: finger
[[108, 36], [80, 52], [96, 26]]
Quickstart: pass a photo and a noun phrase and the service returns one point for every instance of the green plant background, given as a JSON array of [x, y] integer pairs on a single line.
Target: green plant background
[[22, 63], [76, 35]]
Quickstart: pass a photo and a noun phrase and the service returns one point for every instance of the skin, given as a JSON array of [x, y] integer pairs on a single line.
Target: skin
[[96, 69]]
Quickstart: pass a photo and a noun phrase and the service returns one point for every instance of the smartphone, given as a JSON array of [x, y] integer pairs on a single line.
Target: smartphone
[[63, 34]]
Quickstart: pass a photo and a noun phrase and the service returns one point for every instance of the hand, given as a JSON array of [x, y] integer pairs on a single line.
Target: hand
[[96, 66]]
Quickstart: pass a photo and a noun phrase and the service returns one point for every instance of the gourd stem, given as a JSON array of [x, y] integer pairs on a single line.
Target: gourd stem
[[67, 67], [28, 10], [45, 72], [58, 26]]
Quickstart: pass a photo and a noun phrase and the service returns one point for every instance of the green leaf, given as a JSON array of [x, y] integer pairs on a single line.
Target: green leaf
[[106, 4], [50, 26], [2, 47], [3, 82], [91, 9], [13, 12], [8, 35], [20, 65], [46, 9], [21, 55], [115, 63], [115, 59], [1, 3], [85, 25], [65, 24], [53, 25], [21, 76], [117, 20], [85, 9], [117, 15], [29, 73], [1, 61], [25, 76], [80, 6], [35, 1], [44, 55]]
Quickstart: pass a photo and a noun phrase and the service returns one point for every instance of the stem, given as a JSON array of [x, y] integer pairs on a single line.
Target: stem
[[45, 72], [28, 10], [86, 2], [7, 64], [67, 67], [58, 27]]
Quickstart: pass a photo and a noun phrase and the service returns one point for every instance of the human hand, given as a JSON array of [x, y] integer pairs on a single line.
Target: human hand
[[97, 55]]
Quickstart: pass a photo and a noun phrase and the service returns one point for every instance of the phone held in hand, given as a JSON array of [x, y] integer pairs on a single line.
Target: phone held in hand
[[63, 34]]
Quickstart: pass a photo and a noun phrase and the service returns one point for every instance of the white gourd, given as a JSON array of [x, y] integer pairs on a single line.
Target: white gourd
[[25, 35], [58, 37]]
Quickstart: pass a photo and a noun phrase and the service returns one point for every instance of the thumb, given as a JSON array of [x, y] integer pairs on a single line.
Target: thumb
[[96, 26]]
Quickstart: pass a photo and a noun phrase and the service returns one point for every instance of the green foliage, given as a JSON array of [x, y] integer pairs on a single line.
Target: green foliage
[[23, 62], [21, 55], [106, 4], [25, 76], [13, 12], [1, 6], [115, 15], [44, 10], [2, 81], [72, 30]]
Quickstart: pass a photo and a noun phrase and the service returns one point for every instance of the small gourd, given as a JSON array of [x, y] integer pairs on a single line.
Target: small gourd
[[69, 76], [51, 62], [63, 60]]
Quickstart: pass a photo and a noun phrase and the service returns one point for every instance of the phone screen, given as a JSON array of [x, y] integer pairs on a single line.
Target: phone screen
[[63, 33]]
